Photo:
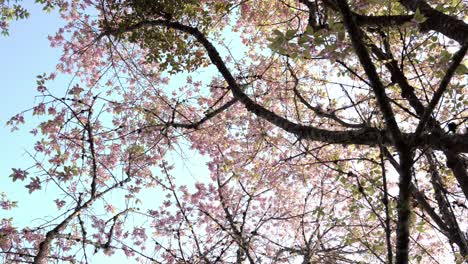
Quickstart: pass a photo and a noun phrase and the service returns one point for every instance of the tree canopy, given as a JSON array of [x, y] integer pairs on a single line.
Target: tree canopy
[[334, 131]]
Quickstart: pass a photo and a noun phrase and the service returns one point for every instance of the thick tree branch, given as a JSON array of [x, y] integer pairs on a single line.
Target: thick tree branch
[[438, 21], [382, 21], [365, 136], [453, 230], [459, 169], [404, 207]]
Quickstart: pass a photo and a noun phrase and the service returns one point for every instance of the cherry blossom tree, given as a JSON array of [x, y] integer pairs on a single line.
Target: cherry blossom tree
[[334, 132]]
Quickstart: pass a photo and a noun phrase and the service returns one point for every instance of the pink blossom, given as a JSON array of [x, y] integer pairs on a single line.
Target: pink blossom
[[34, 185], [139, 233], [41, 88], [127, 251], [7, 204], [18, 174], [51, 111], [110, 208], [59, 203], [39, 147], [167, 203]]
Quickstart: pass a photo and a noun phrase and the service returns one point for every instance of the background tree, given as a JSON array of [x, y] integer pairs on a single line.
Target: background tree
[[334, 132]]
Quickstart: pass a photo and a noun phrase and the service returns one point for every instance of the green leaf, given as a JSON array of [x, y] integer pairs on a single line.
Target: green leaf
[[343, 180], [303, 40], [309, 31], [462, 69], [419, 17], [278, 33], [290, 34]]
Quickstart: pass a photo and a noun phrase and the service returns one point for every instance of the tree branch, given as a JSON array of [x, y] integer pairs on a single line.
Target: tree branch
[[366, 136], [44, 246], [438, 21], [456, 60], [355, 35]]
